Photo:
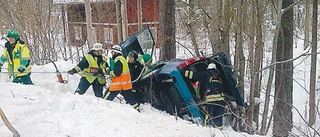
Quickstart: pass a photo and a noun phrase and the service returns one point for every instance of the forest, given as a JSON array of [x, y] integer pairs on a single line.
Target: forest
[[259, 36]]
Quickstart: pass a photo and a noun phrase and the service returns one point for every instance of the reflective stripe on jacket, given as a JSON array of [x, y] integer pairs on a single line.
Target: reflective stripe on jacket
[[122, 82], [89, 75], [214, 97], [20, 59]]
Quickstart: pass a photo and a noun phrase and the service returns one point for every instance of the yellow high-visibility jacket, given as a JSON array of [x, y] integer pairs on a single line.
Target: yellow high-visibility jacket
[[89, 72], [20, 59]]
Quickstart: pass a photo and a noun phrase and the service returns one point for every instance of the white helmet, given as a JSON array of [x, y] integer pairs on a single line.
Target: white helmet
[[116, 48], [97, 46], [212, 66]]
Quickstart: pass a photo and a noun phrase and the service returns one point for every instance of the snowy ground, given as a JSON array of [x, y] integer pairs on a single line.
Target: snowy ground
[[50, 109]]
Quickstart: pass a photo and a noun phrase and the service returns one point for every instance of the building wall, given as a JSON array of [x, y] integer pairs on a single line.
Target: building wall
[[105, 23]]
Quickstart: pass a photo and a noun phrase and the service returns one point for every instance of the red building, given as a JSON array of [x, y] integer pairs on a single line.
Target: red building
[[104, 19]]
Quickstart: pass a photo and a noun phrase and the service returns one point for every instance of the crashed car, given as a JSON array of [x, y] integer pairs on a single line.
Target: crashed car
[[166, 89]]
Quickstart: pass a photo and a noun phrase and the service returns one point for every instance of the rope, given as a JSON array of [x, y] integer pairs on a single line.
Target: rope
[[144, 67]]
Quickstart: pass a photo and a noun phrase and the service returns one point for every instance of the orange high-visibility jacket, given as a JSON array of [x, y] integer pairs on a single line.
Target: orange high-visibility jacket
[[122, 82]]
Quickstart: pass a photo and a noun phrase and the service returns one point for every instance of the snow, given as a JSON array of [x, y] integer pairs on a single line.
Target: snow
[[50, 109]]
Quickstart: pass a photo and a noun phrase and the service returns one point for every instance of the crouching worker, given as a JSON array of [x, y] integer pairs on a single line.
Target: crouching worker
[[16, 54], [120, 79], [212, 91], [135, 68], [93, 66]]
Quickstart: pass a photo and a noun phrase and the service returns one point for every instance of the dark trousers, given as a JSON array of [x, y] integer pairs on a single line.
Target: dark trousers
[[23, 79], [84, 85], [127, 95], [215, 112]]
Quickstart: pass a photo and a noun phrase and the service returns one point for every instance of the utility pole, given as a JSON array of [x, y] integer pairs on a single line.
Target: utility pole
[[89, 24]]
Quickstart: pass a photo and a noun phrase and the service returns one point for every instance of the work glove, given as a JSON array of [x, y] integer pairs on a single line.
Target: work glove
[[71, 72], [21, 69]]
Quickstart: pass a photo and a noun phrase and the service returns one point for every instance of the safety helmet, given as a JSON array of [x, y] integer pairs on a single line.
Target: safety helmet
[[133, 54], [13, 34], [116, 48], [212, 66], [97, 46], [146, 57]]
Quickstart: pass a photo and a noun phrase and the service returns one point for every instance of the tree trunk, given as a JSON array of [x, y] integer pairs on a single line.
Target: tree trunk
[[65, 56], [139, 12], [258, 56], [264, 128], [167, 30], [190, 28], [124, 19], [119, 21], [215, 33], [239, 60], [313, 73], [254, 77], [89, 24], [307, 25], [224, 41], [282, 123]]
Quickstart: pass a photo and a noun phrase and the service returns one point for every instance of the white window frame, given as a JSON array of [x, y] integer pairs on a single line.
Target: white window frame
[[108, 35], [77, 32]]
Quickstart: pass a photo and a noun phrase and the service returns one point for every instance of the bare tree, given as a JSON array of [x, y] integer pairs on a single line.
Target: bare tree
[[282, 123], [190, 25], [312, 96], [239, 59], [264, 127], [307, 25]]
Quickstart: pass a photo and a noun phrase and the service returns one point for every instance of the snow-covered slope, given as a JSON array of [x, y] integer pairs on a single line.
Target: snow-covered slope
[[50, 109]]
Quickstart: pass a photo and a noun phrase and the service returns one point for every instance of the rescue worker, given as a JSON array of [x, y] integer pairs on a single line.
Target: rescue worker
[[212, 92], [134, 65], [146, 61], [94, 67], [135, 70], [120, 79], [17, 55]]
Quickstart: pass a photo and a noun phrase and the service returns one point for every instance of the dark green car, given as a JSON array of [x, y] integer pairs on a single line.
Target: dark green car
[[166, 89]]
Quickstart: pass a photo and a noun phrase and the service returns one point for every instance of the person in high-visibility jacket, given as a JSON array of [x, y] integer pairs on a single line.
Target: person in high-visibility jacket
[[17, 55], [120, 79], [212, 93], [94, 67], [146, 61]]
